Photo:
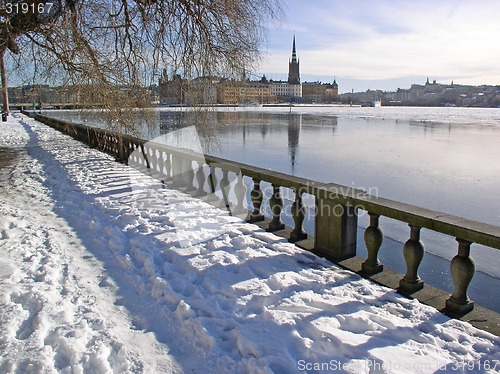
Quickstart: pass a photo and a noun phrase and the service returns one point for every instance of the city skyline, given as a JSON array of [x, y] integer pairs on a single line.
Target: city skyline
[[387, 44]]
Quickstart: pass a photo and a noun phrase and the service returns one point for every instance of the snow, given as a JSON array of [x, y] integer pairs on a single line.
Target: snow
[[104, 270]]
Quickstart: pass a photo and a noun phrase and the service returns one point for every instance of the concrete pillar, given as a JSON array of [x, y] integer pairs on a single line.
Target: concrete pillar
[[335, 229]]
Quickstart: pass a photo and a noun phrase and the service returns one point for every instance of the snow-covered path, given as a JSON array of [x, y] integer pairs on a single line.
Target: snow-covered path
[[94, 279]]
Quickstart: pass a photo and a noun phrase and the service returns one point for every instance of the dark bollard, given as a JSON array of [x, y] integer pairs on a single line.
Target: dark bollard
[[4, 117]]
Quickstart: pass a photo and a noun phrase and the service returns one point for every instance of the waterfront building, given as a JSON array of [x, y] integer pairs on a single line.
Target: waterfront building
[[202, 90], [314, 92], [332, 91], [432, 94], [317, 92], [172, 91], [286, 91], [291, 90], [231, 92]]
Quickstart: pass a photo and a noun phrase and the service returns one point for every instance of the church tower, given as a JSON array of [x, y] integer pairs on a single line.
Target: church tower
[[293, 67]]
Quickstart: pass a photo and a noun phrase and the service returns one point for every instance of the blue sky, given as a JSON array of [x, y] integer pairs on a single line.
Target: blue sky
[[387, 44]]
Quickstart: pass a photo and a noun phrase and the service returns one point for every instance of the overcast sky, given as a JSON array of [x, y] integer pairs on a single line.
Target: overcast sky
[[387, 44]]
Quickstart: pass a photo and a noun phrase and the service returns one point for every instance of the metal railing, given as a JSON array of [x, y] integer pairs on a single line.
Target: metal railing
[[336, 207]]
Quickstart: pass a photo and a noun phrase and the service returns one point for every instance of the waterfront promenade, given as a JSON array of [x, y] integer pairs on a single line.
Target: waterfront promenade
[[104, 268]]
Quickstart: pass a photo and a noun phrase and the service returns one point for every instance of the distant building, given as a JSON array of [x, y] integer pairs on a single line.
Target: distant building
[[431, 94], [230, 92], [172, 91], [314, 92], [361, 97], [286, 91], [332, 92], [291, 89], [317, 92], [202, 90]]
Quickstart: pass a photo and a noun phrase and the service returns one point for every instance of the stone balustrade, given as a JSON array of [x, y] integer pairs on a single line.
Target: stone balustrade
[[335, 211]]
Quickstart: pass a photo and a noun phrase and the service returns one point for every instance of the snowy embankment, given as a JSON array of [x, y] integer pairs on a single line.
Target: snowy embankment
[[93, 278]]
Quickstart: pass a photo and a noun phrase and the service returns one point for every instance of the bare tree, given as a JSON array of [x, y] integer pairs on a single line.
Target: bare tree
[[99, 46]]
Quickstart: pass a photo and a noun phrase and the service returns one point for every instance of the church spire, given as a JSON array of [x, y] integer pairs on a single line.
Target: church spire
[[293, 66], [294, 51]]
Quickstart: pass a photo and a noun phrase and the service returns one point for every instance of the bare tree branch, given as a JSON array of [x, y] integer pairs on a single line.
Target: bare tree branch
[[105, 44]]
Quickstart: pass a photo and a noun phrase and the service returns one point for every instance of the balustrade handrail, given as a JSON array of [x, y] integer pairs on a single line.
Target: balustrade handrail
[[338, 243], [474, 231]]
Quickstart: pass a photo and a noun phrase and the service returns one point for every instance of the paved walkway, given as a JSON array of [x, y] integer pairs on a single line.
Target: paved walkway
[[6, 157]]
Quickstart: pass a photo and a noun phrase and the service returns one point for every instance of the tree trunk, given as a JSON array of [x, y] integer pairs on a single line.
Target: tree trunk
[[5, 90]]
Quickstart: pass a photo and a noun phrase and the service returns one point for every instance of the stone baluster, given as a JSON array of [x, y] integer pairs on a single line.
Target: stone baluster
[[120, 148], [149, 159], [91, 136], [133, 147], [212, 184], [176, 171], [462, 270], [135, 153], [95, 139], [373, 240], [145, 157], [189, 175], [224, 187], [240, 190], [257, 196], [138, 156], [276, 203], [298, 214], [168, 167], [152, 161], [161, 165], [158, 168], [200, 178], [125, 149], [413, 251], [131, 150], [131, 157]]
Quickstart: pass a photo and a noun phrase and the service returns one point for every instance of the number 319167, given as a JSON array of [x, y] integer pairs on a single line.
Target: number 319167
[[16, 8]]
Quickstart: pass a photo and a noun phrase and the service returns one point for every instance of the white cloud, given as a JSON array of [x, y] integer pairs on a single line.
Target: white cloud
[[382, 39]]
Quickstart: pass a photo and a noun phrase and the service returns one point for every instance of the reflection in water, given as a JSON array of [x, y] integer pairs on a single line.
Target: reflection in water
[[213, 127], [217, 129], [204, 120], [295, 121]]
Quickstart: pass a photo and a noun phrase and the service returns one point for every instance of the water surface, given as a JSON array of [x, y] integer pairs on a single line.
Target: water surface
[[445, 159]]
